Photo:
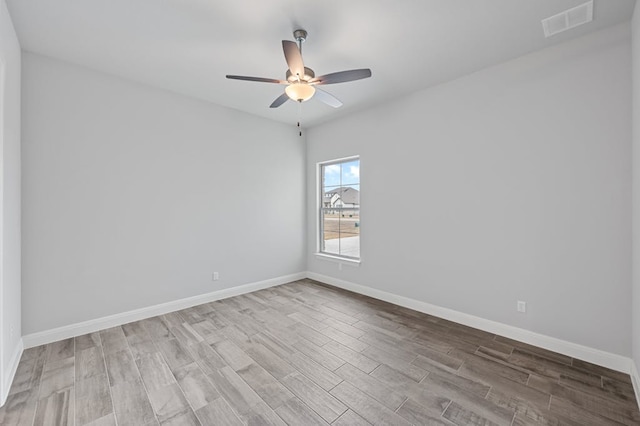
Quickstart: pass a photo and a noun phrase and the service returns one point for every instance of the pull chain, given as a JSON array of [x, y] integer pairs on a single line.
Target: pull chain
[[299, 118]]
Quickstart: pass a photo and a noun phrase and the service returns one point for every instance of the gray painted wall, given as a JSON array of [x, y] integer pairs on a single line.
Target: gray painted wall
[[635, 43], [10, 331], [134, 196], [513, 183]]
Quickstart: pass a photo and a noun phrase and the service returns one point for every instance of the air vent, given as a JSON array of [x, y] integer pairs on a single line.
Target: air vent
[[568, 19]]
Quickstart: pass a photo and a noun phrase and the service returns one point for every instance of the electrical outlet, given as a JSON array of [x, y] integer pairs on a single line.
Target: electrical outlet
[[522, 306], [215, 276], [12, 331]]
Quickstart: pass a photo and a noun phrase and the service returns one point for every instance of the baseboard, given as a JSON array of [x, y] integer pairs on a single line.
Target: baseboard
[[73, 330], [574, 350], [635, 380], [595, 356], [13, 367]]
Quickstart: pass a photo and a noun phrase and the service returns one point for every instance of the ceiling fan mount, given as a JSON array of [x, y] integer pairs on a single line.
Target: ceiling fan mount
[[300, 35], [301, 81]]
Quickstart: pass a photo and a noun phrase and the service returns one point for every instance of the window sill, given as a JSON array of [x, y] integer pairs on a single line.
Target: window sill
[[338, 259]]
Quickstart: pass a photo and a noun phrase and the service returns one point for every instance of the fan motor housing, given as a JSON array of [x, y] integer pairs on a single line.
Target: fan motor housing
[[308, 75]]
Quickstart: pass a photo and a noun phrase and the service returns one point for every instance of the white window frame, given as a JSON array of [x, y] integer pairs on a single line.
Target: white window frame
[[341, 259]]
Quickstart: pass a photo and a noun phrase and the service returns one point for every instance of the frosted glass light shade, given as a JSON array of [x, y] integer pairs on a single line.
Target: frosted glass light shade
[[300, 91]]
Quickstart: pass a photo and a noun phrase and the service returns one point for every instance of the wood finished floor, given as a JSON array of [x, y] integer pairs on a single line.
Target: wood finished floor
[[307, 354]]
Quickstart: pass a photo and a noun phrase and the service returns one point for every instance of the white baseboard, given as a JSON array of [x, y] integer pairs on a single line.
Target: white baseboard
[[13, 367], [635, 380], [574, 350], [595, 356], [73, 330]]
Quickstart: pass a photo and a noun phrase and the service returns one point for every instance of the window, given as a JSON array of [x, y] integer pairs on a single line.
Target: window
[[340, 208]]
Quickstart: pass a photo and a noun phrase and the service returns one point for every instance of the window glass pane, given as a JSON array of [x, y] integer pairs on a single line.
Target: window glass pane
[[350, 173], [350, 233], [331, 175], [331, 231]]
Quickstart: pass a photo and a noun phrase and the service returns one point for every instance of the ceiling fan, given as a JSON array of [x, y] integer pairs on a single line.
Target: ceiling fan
[[302, 81]]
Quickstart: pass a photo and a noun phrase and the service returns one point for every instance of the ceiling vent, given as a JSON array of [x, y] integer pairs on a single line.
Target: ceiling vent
[[568, 19]]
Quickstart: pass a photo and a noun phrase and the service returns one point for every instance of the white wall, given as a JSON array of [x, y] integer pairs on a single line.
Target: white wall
[[133, 196], [10, 331], [635, 43], [514, 184]]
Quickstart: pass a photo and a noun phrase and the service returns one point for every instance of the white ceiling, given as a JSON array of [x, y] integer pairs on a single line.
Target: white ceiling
[[188, 46]]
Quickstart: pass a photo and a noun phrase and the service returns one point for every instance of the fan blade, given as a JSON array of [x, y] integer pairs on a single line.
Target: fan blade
[[279, 101], [327, 98], [342, 76], [293, 57], [259, 79]]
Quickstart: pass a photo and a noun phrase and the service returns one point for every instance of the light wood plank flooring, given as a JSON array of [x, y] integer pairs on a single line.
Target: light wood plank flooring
[[308, 354]]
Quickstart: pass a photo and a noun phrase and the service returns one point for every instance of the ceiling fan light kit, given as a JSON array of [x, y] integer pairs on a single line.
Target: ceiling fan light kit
[[301, 81], [300, 91]]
